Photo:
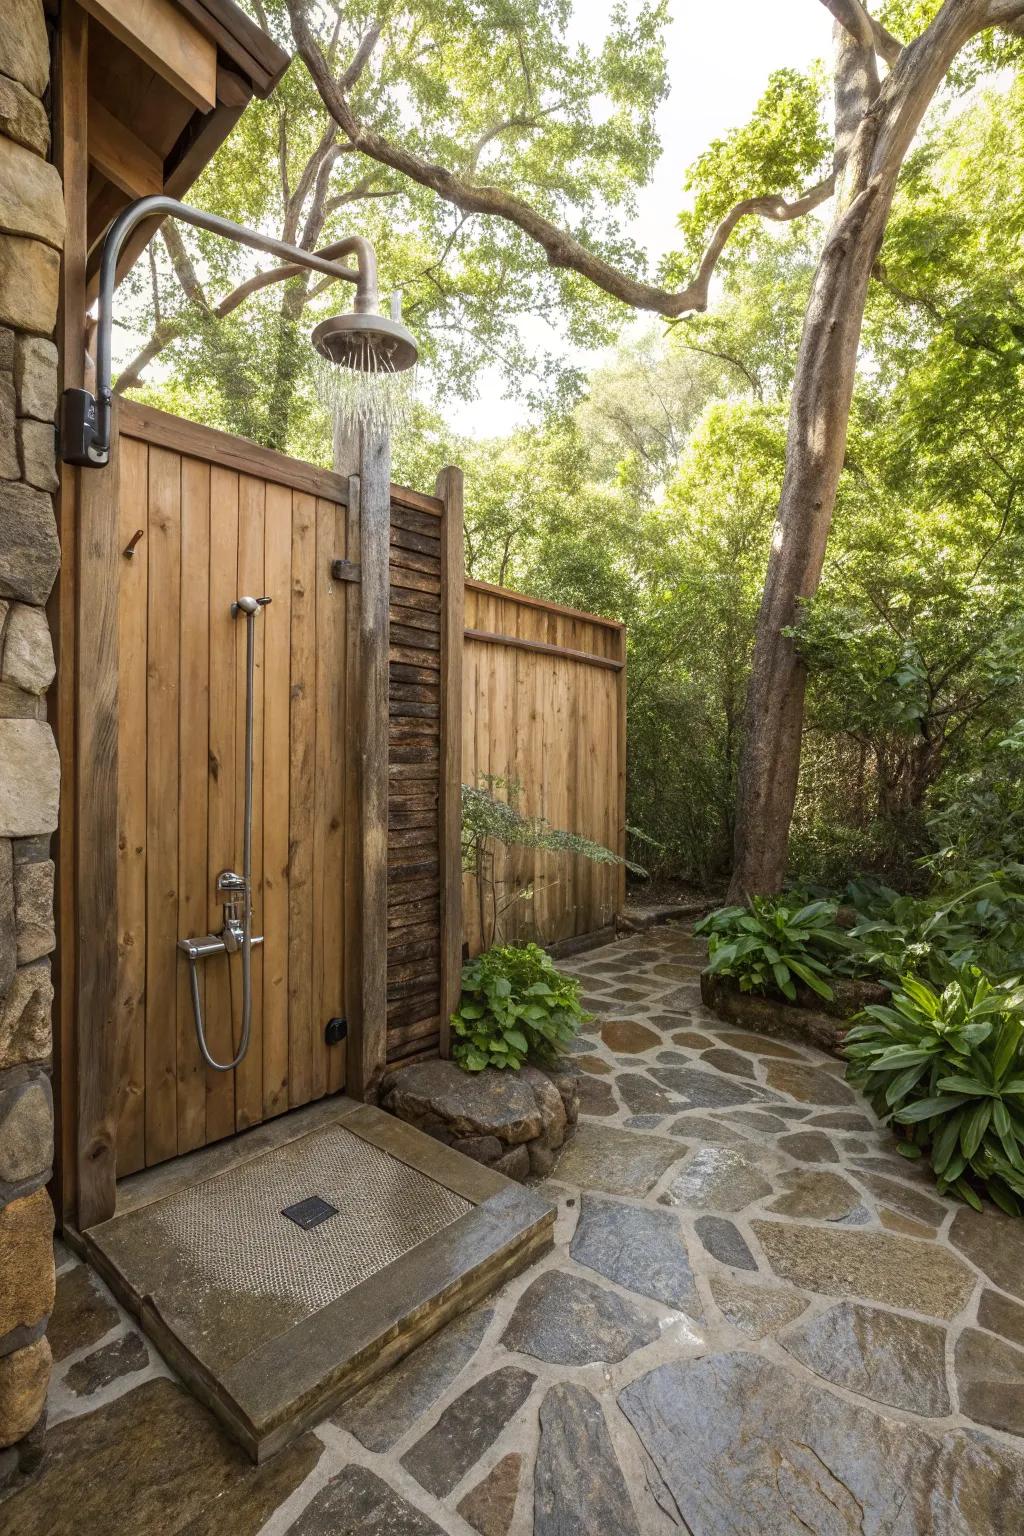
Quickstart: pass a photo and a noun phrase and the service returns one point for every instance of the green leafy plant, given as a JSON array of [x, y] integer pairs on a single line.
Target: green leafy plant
[[769, 946], [949, 1066], [491, 819], [977, 924], [515, 1004]]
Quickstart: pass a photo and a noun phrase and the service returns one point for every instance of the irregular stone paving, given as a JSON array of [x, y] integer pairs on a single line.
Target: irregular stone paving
[[757, 1320]]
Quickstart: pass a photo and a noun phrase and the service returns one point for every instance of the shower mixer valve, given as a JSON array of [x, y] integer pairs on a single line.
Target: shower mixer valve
[[233, 890]]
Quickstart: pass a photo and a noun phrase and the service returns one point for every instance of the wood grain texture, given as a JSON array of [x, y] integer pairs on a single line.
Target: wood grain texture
[[159, 33], [222, 448], [251, 579], [302, 771], [223, 1019], [450, 491], [70, 88], [275, 767], [163, 802], [544, 691], [97, 758], [121, 156], [329, 822], [210, 533], [133, 610], [352, 937], [194, 749], [375, 529]]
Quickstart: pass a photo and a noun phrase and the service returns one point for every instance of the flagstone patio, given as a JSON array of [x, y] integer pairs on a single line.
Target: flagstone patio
[[757, 1320]]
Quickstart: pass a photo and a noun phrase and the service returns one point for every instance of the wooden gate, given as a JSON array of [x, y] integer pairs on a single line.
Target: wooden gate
[[200, 533], [355, 829]]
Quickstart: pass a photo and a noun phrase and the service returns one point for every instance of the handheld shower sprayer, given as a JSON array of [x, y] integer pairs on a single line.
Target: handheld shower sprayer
[[236, 936]]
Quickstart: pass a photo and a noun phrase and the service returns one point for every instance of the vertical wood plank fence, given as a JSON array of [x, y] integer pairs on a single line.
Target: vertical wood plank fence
[[545, 690]]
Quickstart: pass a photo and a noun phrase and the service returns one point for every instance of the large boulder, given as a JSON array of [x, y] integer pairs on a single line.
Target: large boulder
[[513, 1121]]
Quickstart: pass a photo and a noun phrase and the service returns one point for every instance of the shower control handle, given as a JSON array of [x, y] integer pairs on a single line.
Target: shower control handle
[[233, 889]]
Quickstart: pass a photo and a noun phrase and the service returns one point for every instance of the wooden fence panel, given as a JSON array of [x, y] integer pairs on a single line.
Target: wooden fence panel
[[544, 704], [186, 520], [416, 602]]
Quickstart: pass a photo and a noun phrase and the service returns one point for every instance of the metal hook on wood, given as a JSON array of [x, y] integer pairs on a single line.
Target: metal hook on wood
[[129, 549]]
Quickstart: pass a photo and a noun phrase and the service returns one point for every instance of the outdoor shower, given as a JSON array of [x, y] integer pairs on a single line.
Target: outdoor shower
[[367, 349], [371, 347], [236, 936]]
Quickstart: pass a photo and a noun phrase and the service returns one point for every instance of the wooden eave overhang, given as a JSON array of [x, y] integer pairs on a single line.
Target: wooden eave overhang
[[167, 81]]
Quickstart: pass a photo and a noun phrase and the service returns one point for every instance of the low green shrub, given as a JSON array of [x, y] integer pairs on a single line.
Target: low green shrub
[[769, 946], [515, 1003], [979, 923], [949, 1067]]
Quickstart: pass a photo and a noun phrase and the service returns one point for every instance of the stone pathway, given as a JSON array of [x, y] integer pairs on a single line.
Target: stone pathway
[[757, 1320]]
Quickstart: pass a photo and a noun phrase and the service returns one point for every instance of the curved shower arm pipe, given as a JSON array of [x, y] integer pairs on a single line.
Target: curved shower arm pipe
[[85, 418]]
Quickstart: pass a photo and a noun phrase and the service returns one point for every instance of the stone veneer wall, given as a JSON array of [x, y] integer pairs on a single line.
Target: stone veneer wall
[[31, 238]]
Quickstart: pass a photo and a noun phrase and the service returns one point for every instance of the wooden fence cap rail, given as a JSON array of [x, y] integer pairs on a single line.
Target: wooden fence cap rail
[[149, 425], [543, 604]]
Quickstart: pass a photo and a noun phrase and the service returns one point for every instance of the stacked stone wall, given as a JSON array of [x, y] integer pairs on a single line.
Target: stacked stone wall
[[31, 239]]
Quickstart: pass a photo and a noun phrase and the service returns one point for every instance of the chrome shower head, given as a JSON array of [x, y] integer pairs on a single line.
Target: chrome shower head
[[366, 343]]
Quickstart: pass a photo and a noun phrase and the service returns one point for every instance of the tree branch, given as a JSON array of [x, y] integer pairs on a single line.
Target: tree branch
[[867, 29], [727, 357], [360, 58], [560, 247], [184, 271]]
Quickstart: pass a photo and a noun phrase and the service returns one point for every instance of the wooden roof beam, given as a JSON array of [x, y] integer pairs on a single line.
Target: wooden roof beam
[[159, 32], [120, 156], [241, 41]]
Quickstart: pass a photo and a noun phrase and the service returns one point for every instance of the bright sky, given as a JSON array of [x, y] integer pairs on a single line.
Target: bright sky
[[720, 56]]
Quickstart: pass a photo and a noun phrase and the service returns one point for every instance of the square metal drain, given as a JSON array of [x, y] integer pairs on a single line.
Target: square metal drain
[[310, 1213]]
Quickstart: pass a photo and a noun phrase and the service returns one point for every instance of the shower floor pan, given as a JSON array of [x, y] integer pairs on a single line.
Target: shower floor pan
[[274, 1319]]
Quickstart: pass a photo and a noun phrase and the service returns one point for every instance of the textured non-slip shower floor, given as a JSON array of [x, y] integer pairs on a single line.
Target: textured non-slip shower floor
[[234, 1233], [273, 1324]]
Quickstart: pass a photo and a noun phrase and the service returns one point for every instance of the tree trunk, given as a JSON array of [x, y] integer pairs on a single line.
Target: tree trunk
[[822, 391], [874, 129]]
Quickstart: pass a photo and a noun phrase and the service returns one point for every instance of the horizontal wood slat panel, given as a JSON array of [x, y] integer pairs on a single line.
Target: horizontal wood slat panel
[[404, 577], [414, 709], [415, 656], [542, 603], [415, 520]]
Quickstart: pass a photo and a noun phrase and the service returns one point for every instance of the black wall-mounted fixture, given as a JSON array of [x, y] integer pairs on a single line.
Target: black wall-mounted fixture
[[336, 1031]]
